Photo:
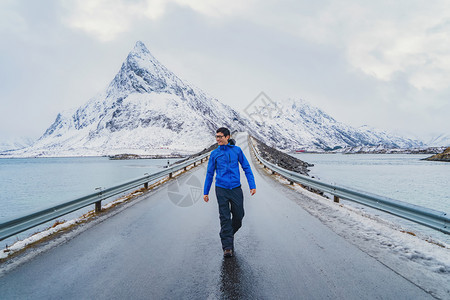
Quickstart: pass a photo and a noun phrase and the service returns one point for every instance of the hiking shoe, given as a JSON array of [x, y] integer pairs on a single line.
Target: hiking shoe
[[227, 253]]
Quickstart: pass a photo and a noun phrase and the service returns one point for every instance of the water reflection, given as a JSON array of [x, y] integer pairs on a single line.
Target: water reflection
[[235, 279]]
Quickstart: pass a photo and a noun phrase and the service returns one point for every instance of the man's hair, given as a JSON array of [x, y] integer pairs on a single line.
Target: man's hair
[[223, 130]]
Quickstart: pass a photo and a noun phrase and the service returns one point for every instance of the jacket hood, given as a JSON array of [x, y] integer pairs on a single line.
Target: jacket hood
[[230, 144]]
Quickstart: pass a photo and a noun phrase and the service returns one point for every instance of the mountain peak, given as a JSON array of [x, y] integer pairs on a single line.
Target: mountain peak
[[141, 56], [140, 47], [141, 72]]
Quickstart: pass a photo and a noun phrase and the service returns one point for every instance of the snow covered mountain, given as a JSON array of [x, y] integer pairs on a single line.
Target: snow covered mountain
[[146, 109], [15, 144], [442, 140], [297, 125]]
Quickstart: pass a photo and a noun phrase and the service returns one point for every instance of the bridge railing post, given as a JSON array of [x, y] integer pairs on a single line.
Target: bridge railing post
[[336, 199], [98, 206]]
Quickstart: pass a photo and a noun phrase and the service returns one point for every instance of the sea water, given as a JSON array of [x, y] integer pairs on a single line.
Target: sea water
[[404, 177], [35, 183]]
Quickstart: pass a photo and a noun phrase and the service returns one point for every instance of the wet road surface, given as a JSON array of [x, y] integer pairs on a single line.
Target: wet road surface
[[167, 246]]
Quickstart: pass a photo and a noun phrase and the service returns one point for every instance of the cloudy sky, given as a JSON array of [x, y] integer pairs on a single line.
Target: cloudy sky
[[382, 63]]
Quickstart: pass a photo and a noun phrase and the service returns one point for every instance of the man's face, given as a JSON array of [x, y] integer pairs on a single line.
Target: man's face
[[221, 139]]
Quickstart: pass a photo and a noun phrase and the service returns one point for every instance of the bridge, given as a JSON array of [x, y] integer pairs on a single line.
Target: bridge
[[162, 248]]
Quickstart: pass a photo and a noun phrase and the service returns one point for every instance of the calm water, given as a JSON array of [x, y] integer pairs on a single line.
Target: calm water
[[403, 177], [31, 184]]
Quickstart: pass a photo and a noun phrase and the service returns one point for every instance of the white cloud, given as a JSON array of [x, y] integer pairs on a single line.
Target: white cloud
[[106, 19], [410, 48], [414, 41], [217, 8], [379, 38]]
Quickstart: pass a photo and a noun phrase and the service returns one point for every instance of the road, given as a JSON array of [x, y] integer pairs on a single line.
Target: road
[[161, 249]]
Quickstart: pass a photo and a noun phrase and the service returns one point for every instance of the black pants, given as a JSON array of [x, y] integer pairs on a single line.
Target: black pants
[[231, 211]]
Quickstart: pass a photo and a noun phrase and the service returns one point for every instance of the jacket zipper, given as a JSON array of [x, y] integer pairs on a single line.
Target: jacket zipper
[[229, 169]]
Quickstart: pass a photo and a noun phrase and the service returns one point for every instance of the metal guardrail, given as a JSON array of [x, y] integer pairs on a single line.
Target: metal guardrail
[[18, 225], [431, 218]]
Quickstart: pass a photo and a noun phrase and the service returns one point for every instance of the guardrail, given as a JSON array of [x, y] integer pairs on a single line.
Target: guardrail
[[18, 225], [431, 218]]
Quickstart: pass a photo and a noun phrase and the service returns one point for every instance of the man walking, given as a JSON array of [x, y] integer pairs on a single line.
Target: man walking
[[225, 162]]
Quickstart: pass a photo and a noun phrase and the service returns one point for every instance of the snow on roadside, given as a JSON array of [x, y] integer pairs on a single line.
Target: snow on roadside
[[420, 259], [22, 244]]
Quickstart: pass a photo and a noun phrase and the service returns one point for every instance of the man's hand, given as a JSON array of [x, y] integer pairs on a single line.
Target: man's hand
[[205, 198], [252, 191]]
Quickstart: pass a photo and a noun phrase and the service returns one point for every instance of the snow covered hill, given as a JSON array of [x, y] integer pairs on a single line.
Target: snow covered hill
[[297, 125], [15, 144], [442, 140], [146, 109]]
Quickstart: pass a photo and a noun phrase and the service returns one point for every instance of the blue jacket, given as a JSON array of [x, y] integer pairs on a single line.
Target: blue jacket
[[225, 161]]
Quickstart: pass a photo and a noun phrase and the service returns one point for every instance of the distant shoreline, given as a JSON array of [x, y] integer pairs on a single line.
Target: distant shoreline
[[111, 157], [444, 156], [430, 150], [355, 150], [136, 156]]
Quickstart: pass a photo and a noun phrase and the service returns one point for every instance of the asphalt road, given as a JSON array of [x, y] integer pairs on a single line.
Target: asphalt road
[[167, 246]]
